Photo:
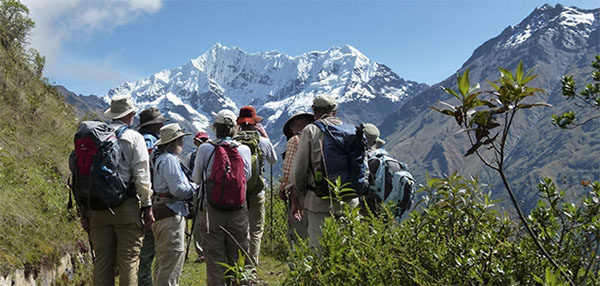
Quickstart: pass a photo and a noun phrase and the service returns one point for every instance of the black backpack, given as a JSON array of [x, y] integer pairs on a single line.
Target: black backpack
[[96, 183], [344, 156]]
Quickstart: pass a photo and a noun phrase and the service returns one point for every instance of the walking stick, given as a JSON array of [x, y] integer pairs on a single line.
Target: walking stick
[[200, 191], [272, 233]]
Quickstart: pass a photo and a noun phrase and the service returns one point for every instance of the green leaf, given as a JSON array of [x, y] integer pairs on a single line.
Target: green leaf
[[506, 74], [519, 72], [463, 83], [450, 91]]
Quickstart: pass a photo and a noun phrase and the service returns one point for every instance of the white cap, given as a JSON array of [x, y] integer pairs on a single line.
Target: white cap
[[227, 117]]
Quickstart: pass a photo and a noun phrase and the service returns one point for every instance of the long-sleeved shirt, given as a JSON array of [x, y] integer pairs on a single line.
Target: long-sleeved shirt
[[134, 167], [268, 151], [290, 153], [170, 179]]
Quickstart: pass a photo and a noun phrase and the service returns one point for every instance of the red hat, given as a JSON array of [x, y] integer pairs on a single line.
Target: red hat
[[248, 115], [201, 135]]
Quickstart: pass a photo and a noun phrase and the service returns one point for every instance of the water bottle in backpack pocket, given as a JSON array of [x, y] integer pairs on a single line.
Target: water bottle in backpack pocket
[[344, 156]]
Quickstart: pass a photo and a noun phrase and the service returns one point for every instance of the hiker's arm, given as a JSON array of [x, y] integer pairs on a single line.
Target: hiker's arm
[[290, 151], [176, 181], [268, 150], [301, 165], [247, 158], [201, 162], [141, 170]]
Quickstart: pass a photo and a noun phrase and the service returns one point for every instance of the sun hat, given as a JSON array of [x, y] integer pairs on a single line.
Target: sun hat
[[170, 132], [372, 133], [150, 116], [120, 106], [287, 127], [324, 101], [226, 117], [200, 135], [248, 116]]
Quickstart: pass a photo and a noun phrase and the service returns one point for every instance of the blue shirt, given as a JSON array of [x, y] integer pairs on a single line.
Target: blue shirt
[[170, 179]]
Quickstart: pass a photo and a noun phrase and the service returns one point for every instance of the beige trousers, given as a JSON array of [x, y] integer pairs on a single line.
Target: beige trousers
[[169, 246], [256, 221], [117, 240], [218, 245]]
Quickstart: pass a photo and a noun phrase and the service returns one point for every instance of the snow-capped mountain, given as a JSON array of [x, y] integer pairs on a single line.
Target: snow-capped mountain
[[556, 41], [277, 85]]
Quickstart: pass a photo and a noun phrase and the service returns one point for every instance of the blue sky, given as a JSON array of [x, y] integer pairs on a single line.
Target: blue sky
[[94, 45]]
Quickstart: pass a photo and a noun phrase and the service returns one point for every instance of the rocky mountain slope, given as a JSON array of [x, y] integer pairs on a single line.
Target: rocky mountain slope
[[557, 41]]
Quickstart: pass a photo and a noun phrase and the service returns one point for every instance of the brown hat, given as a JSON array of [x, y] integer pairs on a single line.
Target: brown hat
[[287, 127], [150, 116], [169, 133], [324, 101], [248, 115], [120, 106]]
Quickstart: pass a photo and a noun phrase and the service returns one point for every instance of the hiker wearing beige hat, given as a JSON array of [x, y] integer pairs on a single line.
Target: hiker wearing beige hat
[[172, 189], [309, 160], [297, 224], [116, 233], [254, 136], [151, 120], [372, 133], [222, 167]]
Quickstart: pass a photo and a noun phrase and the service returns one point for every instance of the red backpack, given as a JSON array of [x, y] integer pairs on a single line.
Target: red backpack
[[226, 186]]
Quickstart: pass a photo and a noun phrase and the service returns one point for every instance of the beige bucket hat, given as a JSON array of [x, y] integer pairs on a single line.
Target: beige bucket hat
[[170, 132], [372, 134], [120, 106]]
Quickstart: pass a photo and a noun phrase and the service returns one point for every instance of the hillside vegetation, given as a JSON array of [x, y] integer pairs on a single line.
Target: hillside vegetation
[[36, 129]]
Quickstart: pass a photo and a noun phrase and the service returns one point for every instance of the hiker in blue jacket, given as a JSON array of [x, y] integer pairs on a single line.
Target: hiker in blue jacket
[[170, 209]]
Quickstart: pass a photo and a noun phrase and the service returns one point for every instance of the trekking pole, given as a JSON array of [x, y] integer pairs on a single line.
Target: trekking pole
[[272, 233], [80, 212], [196, 208]]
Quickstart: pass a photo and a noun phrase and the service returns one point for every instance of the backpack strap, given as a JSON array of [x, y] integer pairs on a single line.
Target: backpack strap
[[119, 132]]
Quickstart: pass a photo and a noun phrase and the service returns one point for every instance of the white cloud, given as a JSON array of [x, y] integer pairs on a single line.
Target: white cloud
[[58, 22]]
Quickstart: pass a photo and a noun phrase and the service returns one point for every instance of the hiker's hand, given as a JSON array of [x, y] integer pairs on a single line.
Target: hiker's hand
[[148, 217], [261, 130], [296, 208], [85, 224]]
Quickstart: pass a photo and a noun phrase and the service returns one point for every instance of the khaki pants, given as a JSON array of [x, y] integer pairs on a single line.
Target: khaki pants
[[256, 221], [315, 221], [217, 244], [117, 240], [169, 239]]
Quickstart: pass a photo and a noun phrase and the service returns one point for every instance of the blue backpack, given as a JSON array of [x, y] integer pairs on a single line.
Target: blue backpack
[[390, 182], [344, 155]]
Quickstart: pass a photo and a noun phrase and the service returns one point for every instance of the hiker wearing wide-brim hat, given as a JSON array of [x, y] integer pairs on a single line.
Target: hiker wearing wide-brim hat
[[287, 127], [120, 106], [172, 189], [248, 116], [297, 224], [151, 120], [117, 230], [373, 140], [169, 133], [151, 116]]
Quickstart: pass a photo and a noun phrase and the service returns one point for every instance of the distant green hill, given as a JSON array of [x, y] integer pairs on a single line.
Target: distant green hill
[[36, 129]]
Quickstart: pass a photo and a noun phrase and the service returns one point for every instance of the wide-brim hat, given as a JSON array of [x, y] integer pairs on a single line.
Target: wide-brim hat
[[200, 135], [324, 101], [287, 127], [378, 144], [248, 115], [170, 132], [151, 116], [120, 106]]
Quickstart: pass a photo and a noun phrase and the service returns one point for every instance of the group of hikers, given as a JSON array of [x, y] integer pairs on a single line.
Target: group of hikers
[[136, 190]]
